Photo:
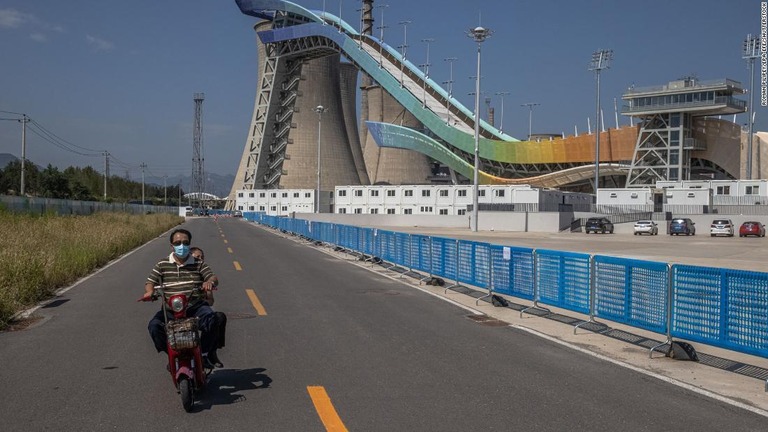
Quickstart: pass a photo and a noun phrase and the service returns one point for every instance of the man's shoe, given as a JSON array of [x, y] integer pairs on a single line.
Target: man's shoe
[[213, 357], [207, 363]]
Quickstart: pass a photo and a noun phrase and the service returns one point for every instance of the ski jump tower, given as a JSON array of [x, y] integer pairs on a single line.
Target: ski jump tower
[[296, 76]]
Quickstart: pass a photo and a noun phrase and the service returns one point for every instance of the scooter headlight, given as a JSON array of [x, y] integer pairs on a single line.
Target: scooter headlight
[[177, 304]]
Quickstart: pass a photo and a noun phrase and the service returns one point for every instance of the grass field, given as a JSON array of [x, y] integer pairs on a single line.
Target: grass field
[[41, 254]]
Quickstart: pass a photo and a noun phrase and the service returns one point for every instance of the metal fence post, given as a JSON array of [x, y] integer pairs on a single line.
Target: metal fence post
[[592, 293], [490, 276], [457, 270], [430, 260], [670, 271], [535, 286]]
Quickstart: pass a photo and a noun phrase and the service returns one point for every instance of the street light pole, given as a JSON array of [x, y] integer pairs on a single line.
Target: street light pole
[[530, 106], [751, 52], [478, 34], [319, 110], [599, 62]]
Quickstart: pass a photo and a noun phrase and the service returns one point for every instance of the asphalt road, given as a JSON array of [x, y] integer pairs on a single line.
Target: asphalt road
[[388, 356]]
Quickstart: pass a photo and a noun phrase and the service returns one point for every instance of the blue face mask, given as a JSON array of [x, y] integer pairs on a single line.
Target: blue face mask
[[181, 250]]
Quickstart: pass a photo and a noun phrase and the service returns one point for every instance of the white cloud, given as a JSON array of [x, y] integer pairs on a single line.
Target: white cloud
[[38, 37], [11, 18], [99, 44]]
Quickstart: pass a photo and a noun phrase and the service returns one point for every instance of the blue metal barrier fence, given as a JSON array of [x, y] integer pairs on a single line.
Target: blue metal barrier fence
[[720, 307]]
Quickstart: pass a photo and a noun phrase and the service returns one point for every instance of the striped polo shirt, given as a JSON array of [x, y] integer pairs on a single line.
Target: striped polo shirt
[[168, 271]]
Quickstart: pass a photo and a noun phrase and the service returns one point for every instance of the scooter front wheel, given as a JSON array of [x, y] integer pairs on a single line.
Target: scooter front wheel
[[186, 389]]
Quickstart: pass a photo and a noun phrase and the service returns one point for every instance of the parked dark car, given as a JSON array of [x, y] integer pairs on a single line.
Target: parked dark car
[[682, 226], [754, 228], [597, 225]]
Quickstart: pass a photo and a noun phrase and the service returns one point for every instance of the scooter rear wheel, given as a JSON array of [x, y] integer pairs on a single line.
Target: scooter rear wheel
[[186, 389]]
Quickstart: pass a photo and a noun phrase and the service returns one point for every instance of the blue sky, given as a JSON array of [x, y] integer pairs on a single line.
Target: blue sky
[[119, 76]]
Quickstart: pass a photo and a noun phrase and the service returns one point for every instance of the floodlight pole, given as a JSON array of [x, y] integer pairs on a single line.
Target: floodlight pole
[[381, 35], [530, 106], [599, 62], [404, 47], [478, 34], [450, 60], [751, 52], [319, 110], [501, 123], [426, 72]]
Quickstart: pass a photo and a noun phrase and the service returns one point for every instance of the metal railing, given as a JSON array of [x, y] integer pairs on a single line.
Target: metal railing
[[73, 207]]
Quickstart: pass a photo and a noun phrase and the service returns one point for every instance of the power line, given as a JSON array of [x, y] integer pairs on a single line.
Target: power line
[[36, 123], [42, 135]]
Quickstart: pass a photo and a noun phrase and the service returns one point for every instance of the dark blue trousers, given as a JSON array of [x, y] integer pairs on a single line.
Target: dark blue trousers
[[207, 323]]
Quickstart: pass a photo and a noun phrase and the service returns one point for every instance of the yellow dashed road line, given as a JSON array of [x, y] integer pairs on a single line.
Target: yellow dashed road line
[[256, 303], [325, 409]]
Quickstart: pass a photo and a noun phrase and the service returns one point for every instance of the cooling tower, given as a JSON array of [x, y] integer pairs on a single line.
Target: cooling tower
[[349, 105], [389, 165], [320, 85]]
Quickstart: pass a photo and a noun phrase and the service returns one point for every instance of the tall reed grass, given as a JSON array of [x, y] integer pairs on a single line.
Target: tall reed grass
[[41, 254]]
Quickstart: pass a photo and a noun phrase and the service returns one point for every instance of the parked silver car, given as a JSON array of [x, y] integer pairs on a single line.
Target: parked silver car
[[646, 227], [721, 227]]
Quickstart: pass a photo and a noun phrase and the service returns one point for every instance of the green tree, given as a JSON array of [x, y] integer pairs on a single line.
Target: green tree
[[10, 178], [53, 183]]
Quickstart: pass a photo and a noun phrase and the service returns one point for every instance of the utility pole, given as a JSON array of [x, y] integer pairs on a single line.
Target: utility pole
[[106, 173], [143, 166], [165, 189], [24, 120]]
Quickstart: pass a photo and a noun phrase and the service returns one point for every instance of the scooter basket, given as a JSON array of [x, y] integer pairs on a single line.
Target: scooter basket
[[183, 333]]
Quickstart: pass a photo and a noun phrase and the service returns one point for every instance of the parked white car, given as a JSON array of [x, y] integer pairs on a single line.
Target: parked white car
[[721, 227], [646, 227]]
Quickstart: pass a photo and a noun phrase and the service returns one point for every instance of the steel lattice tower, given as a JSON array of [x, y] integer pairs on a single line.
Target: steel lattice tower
[[198, 169]]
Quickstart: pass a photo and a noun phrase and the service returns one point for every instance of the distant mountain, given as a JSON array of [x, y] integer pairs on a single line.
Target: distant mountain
[[216, 184], [6, 158]]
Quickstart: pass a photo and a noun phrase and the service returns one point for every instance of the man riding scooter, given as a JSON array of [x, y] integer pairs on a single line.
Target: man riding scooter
[[181, 266]]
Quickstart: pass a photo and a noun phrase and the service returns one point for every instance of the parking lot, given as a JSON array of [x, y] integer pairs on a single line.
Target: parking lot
[[748, 253]]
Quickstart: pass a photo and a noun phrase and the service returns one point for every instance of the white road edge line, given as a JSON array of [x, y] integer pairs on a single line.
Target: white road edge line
[[667, 379]]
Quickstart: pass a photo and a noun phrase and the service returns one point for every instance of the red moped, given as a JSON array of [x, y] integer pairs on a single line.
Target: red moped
[[185, 360]]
